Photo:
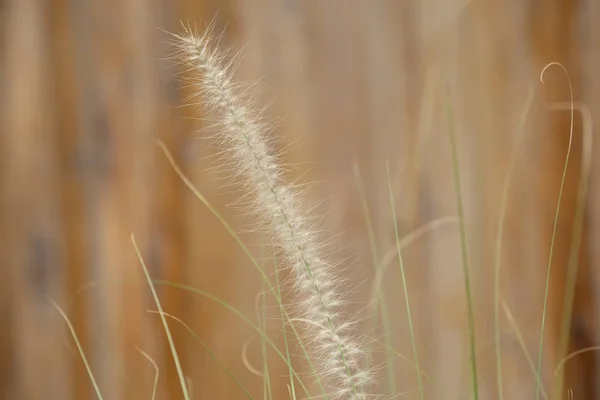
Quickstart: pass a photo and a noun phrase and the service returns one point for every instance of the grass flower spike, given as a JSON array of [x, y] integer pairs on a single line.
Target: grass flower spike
[[340, 357]]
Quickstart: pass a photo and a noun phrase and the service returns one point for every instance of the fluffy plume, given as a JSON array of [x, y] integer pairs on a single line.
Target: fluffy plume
[[340, 357]]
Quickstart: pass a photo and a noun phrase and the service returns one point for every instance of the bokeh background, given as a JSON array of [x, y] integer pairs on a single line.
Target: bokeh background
[[88, 88]]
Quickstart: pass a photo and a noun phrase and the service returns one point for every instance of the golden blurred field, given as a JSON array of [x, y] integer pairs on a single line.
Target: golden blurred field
[[88, 89]]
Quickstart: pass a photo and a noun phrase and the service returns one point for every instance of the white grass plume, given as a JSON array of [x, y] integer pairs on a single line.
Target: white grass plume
[[341, 360]]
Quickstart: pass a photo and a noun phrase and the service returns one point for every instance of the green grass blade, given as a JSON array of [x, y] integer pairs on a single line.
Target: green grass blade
[[182, 382], [464, 249], [80, 349], [405, 286]]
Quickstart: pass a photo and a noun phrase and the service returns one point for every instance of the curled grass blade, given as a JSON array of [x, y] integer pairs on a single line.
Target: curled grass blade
[[404, 242], [574, 354], [156, 370], [554, 229]]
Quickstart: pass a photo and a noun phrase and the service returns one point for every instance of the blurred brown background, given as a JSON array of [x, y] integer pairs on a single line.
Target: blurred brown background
[[86, 91]]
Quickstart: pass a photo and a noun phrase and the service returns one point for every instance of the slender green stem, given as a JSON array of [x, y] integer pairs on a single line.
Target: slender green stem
[[405, 286], [464, 248], [182, 382], [80, 349]]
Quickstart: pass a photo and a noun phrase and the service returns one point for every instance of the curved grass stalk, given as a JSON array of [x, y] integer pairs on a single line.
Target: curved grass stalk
[[572, 355], [156, 370], [554, 229]]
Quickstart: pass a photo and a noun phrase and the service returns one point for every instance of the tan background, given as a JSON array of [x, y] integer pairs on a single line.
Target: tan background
[[87, 91]]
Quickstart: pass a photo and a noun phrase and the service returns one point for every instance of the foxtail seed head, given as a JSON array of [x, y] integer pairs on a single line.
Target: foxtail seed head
[[243, 135]]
